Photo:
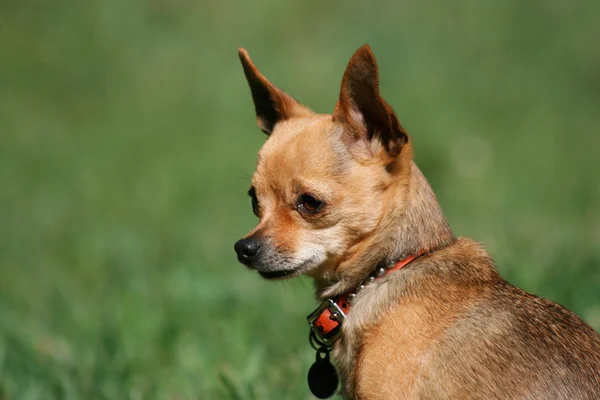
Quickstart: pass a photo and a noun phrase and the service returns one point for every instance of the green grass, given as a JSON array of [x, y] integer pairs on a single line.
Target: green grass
[[127, 140]]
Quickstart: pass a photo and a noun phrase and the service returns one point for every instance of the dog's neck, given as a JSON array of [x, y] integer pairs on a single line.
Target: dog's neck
[[414, 223]]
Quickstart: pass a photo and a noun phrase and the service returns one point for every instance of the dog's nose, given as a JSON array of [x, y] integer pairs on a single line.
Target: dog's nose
[[246, 250]]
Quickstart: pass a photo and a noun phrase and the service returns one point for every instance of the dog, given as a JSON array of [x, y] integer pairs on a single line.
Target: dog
[[410, 311]]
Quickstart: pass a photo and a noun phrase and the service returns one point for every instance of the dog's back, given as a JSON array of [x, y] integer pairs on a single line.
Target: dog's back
[[451, 327]]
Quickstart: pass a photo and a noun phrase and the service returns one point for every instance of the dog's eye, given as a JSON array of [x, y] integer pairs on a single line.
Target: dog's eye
[[255, 206], [252, 194], [309, 205]]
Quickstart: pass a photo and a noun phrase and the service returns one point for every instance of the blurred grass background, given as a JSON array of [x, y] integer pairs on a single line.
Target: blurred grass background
[[127, 140]]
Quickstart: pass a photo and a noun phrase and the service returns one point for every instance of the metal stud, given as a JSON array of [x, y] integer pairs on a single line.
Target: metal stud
[[370, 279], [380, 271], [361, 287], [351, 296]]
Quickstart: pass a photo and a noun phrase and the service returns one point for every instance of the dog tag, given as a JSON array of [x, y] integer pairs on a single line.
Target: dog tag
[[322, 377]]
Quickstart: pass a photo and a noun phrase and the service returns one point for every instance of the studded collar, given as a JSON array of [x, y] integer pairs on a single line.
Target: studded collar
[[326, 321]]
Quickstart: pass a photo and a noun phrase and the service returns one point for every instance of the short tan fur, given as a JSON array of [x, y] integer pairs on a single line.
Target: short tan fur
[[336, 195]]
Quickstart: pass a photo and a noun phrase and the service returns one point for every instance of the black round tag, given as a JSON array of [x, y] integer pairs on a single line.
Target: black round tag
[[322, 377]]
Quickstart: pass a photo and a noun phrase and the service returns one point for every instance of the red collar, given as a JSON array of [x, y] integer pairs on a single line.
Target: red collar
[[326, 321]]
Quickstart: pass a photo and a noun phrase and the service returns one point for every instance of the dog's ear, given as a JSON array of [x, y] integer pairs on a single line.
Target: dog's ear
[[272, 104], [370, 124]]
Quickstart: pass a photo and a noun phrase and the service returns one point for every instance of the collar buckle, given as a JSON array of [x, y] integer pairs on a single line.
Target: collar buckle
[[326, 322]]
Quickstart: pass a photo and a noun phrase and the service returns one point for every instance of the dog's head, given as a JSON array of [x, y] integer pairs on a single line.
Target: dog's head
[[322, 185]]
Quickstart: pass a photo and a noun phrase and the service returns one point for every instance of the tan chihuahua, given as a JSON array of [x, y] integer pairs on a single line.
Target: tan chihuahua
[[409, 311]]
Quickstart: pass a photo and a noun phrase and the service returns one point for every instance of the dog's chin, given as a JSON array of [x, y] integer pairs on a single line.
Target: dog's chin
[[286, 273], [281, 274]]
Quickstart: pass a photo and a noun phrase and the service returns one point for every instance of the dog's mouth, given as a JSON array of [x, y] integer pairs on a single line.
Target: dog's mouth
[[276, 274], [288, 273]]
